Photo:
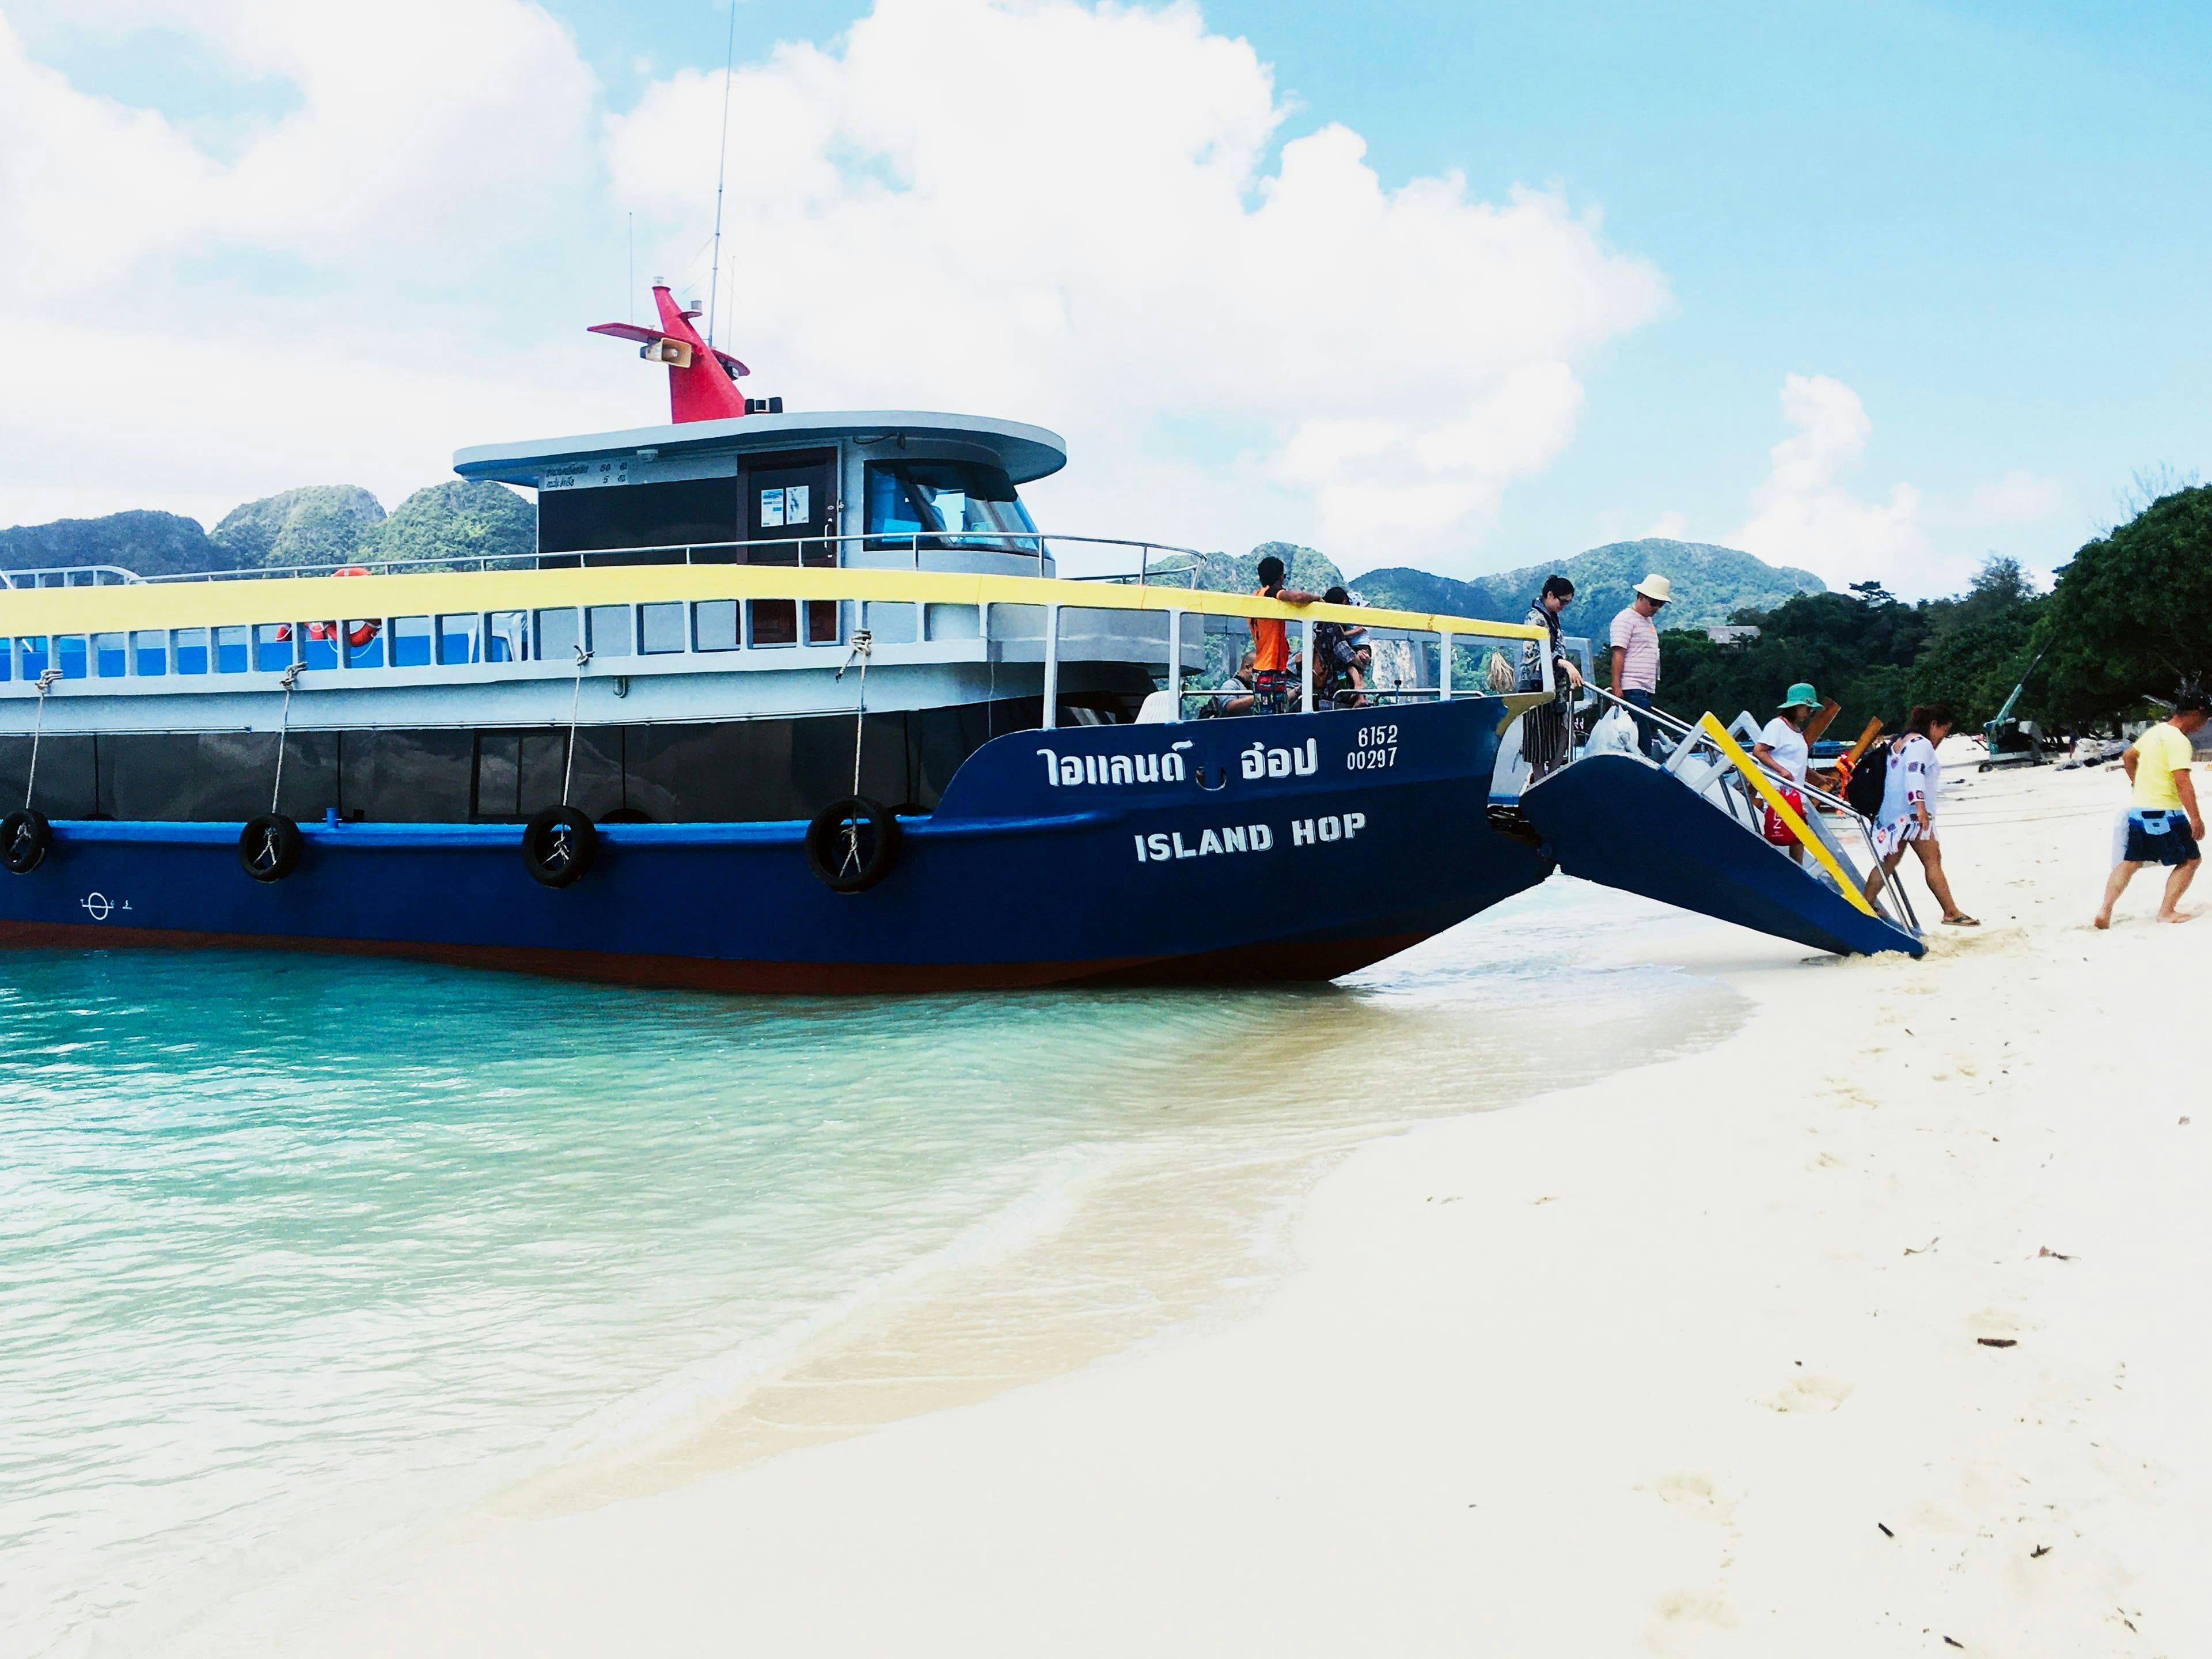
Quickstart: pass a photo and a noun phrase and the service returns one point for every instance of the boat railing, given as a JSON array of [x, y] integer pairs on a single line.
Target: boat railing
[[1707, 758], [799, 551], [69, 575]]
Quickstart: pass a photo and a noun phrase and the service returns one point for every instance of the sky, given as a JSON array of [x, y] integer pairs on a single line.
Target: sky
[[1875, 289]]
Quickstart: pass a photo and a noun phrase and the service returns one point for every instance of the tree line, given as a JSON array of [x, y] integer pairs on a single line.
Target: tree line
[[2128, 619]]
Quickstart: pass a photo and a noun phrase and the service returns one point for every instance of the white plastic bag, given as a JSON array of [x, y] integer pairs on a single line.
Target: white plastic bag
[[1614, 734]]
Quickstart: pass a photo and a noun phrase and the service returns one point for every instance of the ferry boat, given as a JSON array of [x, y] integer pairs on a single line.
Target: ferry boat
[[782, 702]]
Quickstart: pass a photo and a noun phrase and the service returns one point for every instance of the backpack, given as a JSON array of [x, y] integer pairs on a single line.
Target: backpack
[[1869, 780]]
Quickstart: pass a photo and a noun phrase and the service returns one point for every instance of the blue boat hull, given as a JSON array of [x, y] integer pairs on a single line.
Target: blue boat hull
[[1619, 821], [1288, 847]]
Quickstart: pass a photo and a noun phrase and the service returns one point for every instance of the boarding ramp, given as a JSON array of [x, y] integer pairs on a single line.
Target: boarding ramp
[[1683, 823]]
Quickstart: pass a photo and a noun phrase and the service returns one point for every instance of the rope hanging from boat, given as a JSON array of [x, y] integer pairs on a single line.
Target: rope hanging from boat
[[38, 725], [283, 731], [864, 646], [575, 701]]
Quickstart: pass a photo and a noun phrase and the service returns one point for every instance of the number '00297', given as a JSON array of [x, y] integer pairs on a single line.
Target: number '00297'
[[1377, 748]]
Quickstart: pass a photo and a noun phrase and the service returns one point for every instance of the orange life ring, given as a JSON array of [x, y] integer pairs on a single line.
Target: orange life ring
[[362, 631]]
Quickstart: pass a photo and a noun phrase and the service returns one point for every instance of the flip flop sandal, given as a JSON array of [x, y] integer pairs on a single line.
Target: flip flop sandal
[[1961, 921]]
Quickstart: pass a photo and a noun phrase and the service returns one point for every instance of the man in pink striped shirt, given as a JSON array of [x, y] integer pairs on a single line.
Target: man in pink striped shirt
[[1636, 649]]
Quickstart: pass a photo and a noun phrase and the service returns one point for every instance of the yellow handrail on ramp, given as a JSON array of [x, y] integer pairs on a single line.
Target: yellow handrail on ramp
[[1756, 775]]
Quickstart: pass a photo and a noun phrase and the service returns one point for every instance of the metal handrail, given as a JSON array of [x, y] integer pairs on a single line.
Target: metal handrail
[[72, 576], [1022, 542]]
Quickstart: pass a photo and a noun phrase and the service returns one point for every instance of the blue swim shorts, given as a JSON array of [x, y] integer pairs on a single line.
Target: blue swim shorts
[[2159, 838]]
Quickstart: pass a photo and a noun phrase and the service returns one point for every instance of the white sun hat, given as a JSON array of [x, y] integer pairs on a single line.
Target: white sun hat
[[1655, 586]]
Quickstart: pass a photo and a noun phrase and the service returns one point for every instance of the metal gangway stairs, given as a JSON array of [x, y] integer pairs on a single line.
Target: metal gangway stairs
[[1683, 822]]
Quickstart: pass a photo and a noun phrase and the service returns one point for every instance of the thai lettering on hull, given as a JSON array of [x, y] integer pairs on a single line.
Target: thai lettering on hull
[[1069, 771], [1261, 761]]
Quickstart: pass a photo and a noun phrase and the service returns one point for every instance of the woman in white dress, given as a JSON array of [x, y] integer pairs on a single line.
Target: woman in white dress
[[1908, 808]]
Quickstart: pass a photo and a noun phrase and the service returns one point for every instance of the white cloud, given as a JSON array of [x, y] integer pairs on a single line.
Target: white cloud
[[1804, 515], [184, 330], [1069, 215], [1086, 217], [1671, 527]]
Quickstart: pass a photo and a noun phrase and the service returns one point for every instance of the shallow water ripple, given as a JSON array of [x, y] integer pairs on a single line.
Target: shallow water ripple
[[292, 1250]]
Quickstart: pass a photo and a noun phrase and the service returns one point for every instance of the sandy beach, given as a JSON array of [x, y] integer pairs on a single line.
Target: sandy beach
[[1880, 1328]]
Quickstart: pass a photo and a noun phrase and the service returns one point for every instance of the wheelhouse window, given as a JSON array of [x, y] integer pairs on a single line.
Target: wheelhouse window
[[660, 627], [688, 513], [610, 634], [233, 649], [457, 636], [111, 654], [363, 642], [947, 504], [410, 641], [191, 651], [36, 655], [151, 647], [557, 638], [772, 621], [272, 647], [506, 636], [716, 624], [70, 654]]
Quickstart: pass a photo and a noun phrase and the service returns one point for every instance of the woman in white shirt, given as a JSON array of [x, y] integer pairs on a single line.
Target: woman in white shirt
[[1782, 745], [1782, 748], [1908, 808]]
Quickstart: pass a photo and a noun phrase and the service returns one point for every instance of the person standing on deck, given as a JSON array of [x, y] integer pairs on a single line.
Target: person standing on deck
[[1271, 642], [1910, 788], [2164, 823], [1635, 652], [1544, 730]]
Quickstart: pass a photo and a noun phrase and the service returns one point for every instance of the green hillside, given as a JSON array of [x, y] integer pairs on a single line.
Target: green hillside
[[1230, 573], [456, 519], [148, 544], [320, 524], [317, 524], [1711, 584]]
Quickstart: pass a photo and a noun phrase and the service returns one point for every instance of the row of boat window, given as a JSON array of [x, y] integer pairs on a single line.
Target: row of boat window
[[409, 642]]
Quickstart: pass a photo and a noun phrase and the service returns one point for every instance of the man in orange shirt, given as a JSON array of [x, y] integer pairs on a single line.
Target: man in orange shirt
[[1271, 644]]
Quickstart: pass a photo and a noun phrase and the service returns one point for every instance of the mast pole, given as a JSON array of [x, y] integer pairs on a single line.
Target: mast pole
[[722, 174]]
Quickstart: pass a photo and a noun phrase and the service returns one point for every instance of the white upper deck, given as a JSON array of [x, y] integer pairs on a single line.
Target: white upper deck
[[1023, 452]]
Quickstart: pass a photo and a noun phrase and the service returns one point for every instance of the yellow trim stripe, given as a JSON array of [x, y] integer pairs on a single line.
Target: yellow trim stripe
[[1757, 774], [36, 611]]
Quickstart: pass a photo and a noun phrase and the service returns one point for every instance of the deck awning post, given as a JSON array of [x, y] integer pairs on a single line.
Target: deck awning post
[[1051, 667]]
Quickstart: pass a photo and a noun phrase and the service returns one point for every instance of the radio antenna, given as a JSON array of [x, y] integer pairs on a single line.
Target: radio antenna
[[722, 174]]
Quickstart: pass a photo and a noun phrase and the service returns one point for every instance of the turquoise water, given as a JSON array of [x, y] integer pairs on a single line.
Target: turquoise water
[[293, 1251]]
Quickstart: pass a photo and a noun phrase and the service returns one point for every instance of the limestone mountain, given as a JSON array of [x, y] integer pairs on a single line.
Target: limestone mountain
[[457, 519], [144, 543], [1711, 583], [316, 524]]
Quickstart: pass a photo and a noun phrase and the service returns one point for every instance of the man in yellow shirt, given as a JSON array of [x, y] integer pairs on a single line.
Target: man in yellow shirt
[[2164, 825]]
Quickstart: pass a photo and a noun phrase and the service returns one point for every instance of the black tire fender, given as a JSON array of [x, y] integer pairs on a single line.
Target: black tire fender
[[269, 847], [560, 844], [26, 837], [853, 843]]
